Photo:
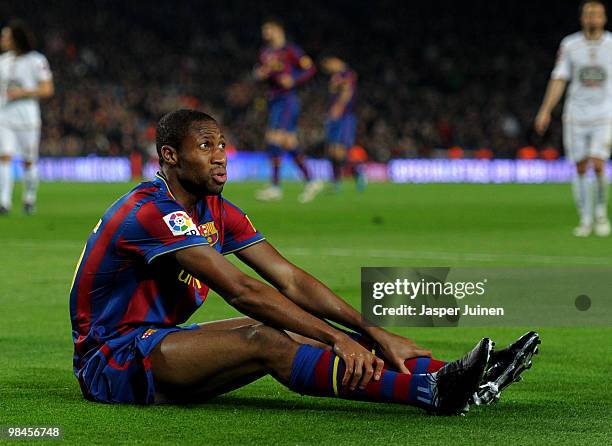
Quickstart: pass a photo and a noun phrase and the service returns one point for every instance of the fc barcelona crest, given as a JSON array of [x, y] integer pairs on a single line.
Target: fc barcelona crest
[[209, 230]]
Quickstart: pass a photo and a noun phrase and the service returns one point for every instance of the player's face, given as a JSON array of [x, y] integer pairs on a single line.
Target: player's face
[[271, 32], [6, 39], [593, 17], [331, 65], [201, 166]]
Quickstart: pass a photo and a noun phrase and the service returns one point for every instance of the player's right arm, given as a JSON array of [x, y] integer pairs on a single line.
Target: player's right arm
[[556, 86], [261, 71], [264, 303], [554, 92]]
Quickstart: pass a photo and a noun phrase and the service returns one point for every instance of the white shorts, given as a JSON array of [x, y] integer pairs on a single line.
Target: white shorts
[[24, 142], [587, 141]]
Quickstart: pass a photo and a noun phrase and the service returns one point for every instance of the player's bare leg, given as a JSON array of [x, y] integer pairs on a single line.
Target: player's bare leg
[[238, 322], [432, 364], [601, 225], [30, 186], [583, 194], [6, 183], [200, 364]]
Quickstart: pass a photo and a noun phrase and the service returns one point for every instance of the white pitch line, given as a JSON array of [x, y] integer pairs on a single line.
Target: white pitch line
[[375, 253], [448, 256], [47, 243]]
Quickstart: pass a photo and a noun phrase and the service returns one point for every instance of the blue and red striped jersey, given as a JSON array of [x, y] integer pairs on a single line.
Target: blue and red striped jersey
[[291, 60], [123, 281], [345, 80]]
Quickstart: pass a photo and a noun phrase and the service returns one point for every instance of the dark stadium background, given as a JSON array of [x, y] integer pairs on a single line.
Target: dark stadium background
[[433, 74]]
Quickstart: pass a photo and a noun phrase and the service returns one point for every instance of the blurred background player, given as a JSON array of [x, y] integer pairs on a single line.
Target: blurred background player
[[283, 66], [585, 60], [25, 78], [341, 123]]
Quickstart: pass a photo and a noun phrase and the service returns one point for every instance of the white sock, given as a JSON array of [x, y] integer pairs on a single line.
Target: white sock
[[30, 184], [6, 184], [601, 196], [583, 194]]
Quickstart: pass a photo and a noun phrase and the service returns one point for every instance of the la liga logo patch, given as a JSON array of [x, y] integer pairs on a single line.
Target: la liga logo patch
[[180, 223]]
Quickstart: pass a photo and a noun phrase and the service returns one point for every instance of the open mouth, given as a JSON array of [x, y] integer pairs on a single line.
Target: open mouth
[[220, 178]]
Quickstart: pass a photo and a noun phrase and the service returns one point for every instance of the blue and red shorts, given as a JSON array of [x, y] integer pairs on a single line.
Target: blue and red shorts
[[341, 131], [120, 370], [283, 112]]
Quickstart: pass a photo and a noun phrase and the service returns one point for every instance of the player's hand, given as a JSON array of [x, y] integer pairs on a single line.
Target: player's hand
[[261, 72], [361, 365], [286, 81], [397, 349], [542, 121], [16, 93]]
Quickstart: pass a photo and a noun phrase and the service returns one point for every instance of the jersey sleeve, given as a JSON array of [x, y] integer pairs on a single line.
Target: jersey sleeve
[[563, 65], [42, 71], [238, 231], [353, 81], [303, 63], [348, 83], [157, 228]]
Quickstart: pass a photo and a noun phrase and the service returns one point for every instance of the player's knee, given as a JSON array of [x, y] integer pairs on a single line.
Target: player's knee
[[289, 140], [268, 340], [337, 152], [261, 334], [28, 164], [581, 167], [273, 137], [5, 158], [598, 166]]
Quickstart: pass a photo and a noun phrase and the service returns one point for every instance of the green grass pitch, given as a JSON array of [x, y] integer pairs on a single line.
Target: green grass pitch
[[564, 399]]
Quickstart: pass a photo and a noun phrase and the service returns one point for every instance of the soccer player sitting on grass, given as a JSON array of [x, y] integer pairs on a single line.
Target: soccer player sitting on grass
[[148, 265]]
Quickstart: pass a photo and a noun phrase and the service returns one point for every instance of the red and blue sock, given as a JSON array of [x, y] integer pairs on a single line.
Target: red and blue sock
[[319, 372], [300, 161], [276, 165]]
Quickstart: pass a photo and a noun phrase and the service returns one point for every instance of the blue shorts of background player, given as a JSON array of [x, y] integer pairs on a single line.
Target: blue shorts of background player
[[120, 371], [341, 131], [283, 113]]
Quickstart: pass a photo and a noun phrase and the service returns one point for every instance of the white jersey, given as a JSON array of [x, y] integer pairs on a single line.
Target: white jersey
[[587, 64], [24, 71]]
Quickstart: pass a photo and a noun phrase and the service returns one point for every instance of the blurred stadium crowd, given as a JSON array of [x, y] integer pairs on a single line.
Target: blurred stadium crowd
[[431, 76]]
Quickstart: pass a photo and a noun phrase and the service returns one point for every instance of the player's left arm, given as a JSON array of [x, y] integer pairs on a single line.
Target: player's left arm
[[305, 64], [316, 298], [262, 69]]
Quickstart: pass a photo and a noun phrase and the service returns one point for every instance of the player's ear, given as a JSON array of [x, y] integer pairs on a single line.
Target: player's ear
[[169, 155]]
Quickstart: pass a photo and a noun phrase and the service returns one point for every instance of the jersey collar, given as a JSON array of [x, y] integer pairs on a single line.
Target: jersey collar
[[164, 182]]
